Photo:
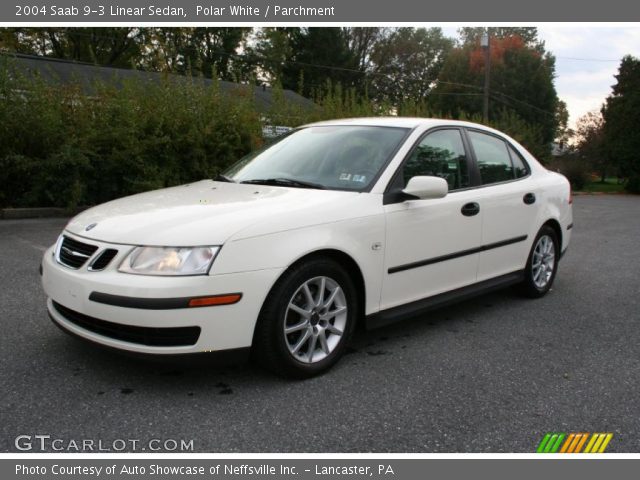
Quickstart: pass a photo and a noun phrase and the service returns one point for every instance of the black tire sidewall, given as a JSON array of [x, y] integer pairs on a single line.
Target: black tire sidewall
[[272, 344], [530, 287]]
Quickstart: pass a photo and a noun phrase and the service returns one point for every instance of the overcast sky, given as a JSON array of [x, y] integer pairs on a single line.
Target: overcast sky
[[585, 83]]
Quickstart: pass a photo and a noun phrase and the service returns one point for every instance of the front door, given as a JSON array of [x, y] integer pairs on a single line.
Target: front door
[[430, 243]]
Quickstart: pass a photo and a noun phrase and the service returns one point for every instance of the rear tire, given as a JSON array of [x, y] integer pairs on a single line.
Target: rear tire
[[307, 319], [542, 264]]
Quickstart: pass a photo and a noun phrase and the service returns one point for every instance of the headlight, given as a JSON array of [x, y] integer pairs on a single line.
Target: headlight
[[169, 260], [58, 245]]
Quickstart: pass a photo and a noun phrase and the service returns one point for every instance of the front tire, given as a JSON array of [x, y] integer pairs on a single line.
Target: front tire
[[307, 319], [542, 264]]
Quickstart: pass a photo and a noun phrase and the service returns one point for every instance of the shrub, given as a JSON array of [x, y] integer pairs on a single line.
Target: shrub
[[633, 184], [577, 172], [60, 147]]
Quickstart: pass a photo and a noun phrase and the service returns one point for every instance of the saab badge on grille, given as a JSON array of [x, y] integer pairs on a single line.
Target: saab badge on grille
[[89, 227]]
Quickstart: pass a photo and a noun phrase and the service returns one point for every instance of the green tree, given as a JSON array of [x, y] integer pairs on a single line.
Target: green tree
[[320, 57], [272, 49], [521, 80], [563, 132], [287, 55], [406, 63], [621, 115], [198, 50], [111, 46], [589, 142], [362, 41]]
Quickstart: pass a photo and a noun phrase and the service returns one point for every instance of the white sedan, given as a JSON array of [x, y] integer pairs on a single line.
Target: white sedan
[[361, 221]]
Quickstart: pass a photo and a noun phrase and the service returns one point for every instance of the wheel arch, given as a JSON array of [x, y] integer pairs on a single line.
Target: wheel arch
[[353, 269], [553, 223], [346, 261]]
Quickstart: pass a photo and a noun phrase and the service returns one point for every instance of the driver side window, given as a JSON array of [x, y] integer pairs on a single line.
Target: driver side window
[[439, 154]]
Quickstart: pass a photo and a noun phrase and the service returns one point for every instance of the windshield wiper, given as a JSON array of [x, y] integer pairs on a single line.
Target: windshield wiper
[[224, 178], [285, 182]]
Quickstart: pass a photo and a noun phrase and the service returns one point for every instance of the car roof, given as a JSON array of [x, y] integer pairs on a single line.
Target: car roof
[[403, 122], [414, 122]]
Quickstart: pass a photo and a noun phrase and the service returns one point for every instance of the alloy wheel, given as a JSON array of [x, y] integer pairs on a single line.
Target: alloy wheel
[[315, 319], [543, 261]]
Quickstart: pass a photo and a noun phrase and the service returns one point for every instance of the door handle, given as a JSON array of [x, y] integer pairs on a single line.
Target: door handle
[[470, 209], [529, 198]]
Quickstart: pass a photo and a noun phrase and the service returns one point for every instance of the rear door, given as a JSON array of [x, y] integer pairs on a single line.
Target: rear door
[[509, 205]]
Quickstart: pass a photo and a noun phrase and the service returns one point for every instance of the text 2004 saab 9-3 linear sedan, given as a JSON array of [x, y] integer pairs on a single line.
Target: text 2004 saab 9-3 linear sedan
[[335, 223]]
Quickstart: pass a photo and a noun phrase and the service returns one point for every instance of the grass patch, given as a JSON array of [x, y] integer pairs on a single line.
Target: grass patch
[[610, 185]]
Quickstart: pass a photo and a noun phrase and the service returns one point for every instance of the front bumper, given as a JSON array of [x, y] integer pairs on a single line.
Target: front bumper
[[222, 327]]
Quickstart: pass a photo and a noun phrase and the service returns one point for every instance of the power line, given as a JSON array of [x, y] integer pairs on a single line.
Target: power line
[[503, 101], [456, 84], [260, 59], [526, 104], [137, 32], [464, 85], [493, 92], [462, 94]]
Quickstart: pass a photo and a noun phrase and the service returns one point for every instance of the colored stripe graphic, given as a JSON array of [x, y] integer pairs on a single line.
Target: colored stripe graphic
[[567, 442], [543, 443], [598, 442], [581, 443], [607, 439], [556, 445], [550, 443], [592, 440], [573, 442]]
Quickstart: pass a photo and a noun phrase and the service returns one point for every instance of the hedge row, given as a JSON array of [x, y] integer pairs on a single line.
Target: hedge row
[[60, 147]]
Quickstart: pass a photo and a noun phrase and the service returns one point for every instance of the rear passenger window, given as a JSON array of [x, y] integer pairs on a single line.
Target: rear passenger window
[[494, 161], [519, 166]]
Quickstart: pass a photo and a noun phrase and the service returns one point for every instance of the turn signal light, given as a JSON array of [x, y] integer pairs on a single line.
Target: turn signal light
[[210, 301]]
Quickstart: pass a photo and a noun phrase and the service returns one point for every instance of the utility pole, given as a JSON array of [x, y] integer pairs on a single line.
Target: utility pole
[[485, 42]]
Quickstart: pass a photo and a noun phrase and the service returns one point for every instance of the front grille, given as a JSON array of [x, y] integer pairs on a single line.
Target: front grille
[[74, 254], [103, 259], [150, 336]]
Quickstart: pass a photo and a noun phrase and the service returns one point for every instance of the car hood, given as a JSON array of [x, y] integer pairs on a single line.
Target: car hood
[[209, 213]]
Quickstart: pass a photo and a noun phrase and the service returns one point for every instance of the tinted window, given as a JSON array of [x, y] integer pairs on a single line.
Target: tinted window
[[439, 154], [493, 158], [519, 166]]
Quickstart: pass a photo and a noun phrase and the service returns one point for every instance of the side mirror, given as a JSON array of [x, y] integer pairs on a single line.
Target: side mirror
[[427, 187]]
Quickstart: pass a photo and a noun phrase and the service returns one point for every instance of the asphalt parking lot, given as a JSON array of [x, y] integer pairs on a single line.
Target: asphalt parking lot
[[493, 374]]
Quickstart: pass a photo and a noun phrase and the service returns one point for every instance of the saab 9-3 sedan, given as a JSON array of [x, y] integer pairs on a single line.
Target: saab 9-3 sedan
[[339, 223]]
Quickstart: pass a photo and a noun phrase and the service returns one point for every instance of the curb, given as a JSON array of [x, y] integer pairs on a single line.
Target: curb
[[579, 192]]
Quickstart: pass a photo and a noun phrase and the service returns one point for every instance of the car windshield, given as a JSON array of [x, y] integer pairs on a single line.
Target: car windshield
[[334, 157]]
